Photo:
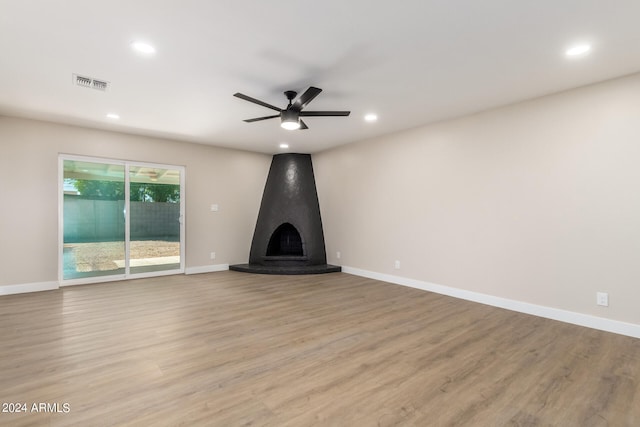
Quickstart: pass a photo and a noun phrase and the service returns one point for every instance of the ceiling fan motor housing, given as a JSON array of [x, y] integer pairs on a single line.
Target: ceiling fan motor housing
[[289, 116], [290, 119]]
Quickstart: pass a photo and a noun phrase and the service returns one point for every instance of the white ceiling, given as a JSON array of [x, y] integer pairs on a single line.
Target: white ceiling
[[411, 61]]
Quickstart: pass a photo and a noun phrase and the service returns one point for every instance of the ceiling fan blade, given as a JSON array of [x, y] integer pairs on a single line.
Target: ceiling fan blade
[[257, 119], [324, 113], [255, 101], [303, 125], [305, 98]]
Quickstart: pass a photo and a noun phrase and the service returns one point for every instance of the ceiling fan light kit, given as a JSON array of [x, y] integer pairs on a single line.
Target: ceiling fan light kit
[[290, 116], [290, 120]]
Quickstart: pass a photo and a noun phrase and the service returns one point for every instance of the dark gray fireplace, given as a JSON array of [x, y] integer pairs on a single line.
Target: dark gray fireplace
[[288, 238]]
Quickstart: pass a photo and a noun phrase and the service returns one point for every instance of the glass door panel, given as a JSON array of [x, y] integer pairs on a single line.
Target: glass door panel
[[154, 219], [93, 219]]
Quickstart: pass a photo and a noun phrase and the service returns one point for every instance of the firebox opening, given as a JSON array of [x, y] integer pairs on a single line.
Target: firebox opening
[[285, 241]]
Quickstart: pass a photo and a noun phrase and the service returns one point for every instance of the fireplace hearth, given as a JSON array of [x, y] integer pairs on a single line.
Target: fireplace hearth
[[288, 238]]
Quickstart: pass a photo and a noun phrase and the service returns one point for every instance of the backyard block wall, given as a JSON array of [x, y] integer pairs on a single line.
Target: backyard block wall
[[103, 220]]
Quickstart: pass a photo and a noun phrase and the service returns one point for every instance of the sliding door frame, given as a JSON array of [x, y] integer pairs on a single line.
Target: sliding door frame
[[127, 214]]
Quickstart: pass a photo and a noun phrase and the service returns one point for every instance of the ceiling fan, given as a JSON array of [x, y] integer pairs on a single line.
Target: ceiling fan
[[290, 116]]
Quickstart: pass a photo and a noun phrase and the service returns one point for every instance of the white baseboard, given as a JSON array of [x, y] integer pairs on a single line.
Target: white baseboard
[[206, 269], [28, 287], [615, 326]]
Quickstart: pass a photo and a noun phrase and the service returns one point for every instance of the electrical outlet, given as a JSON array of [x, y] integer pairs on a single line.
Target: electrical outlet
[[338, 254], [215, 207], [602, 298], [213, 255], [396, 265]]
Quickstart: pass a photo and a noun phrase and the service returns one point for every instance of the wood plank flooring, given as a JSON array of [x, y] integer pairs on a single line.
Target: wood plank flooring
[[234, 349]]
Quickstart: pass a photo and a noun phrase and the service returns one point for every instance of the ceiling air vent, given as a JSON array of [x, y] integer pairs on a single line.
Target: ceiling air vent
[[90, 82]]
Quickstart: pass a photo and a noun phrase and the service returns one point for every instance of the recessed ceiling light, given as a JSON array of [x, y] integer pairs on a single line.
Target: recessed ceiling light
[[284, 145], [371, 117], [578, 50], [142, 47], [113, 116]]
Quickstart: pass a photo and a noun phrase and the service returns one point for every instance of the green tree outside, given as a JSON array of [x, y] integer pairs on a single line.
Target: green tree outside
[[114, 190]]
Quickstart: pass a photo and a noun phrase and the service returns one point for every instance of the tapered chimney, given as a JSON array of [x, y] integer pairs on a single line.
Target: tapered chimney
[[288, 238]]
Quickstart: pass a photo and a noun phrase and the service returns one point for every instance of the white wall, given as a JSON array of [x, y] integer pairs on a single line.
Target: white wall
[[29, 214], [537, 202]]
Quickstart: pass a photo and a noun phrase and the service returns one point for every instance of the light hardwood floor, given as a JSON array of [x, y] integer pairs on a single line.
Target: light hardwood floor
[[232, 349]]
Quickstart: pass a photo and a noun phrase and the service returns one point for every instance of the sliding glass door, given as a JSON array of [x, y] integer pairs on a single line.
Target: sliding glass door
[[119, 220], [155, 219]]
